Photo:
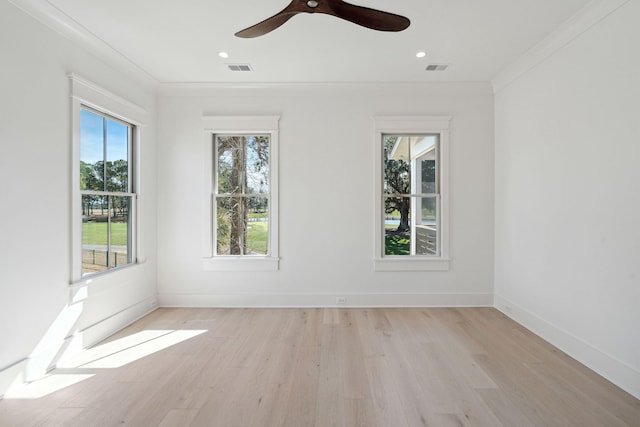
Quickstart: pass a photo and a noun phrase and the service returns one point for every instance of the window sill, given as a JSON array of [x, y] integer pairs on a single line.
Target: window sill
[[411, 264], [240, 264]]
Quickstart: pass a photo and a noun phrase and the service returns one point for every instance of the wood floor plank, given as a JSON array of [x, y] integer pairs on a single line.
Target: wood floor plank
[[303, 399], [178, 418], [446, 335], [369, 340], [313, 320], [331, 316], [272, 405], [330, 407], [512, 409], [355, 384], [569, 401], [590, 389], [417, 397], [387, 408], [325, 367], [359, 413]]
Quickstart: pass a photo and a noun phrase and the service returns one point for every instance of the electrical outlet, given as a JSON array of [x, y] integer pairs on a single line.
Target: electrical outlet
[[341, 300]]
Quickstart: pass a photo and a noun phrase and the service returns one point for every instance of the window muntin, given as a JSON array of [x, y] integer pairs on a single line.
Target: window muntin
[[242, 193], [107, 197], [411, 195]]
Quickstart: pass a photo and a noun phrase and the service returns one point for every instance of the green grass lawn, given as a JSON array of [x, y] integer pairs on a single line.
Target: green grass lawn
[[257, 236], [396, 243], [95, 233]]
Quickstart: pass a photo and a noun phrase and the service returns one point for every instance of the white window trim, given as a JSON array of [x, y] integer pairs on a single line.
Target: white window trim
[[419, 125], [213, 125], [85, 93]]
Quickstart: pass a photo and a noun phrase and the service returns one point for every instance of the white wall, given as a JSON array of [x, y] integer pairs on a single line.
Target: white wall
[[567, 210], [36, 319], [326, 195]]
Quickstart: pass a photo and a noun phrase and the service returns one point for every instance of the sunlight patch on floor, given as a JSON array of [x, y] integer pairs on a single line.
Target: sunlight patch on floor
[[46, 385], [113, 354], [123, 351], [146, 348]]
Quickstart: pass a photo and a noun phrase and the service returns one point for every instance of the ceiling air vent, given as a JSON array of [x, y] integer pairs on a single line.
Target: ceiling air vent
[[239, 67], [437, 67]]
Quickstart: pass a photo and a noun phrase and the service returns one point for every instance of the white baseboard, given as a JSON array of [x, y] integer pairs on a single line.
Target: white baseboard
[[45, 359], [107, 327], [327, 300], [619, 373]]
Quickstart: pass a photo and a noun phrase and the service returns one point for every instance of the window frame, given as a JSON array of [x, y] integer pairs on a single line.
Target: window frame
[[89, 96], [238, 125], [412, 125]]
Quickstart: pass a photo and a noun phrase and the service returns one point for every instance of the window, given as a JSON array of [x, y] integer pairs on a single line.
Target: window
[[411, 199], [107, 197], [411, 186], [105, 179], [241, 199]]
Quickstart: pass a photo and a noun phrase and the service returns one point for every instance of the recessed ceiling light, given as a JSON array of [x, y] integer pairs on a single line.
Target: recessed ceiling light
[[421, 54], [223, 54]]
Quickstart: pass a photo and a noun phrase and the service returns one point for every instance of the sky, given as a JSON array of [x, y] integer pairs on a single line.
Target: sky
[[92, 135]]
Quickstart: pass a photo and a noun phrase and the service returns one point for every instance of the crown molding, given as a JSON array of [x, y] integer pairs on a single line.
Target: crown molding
[[49, 15], [571, 29]]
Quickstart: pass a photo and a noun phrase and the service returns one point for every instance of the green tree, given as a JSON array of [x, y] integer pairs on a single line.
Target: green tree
[[91, 178], [118, 181], [397, 180], [118, 175], [241, 162]]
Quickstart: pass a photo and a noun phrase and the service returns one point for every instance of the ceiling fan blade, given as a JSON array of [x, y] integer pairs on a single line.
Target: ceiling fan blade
[[273, 22], [366, 17], [265, 26]]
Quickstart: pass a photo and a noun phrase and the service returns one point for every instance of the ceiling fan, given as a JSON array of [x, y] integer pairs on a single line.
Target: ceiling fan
[[364, 16]]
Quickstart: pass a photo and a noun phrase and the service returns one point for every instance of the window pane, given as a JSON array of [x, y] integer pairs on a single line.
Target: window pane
[[428, 173], [396, 167], [243, 164], [258, 227], [426, 227], [231, 164], [257, 171], [94, 234], [428, 213], [91, 151], [397, 226], [426, 240], [120, 232], [242, 226], [423, 153], [232, 218], [117, 169]]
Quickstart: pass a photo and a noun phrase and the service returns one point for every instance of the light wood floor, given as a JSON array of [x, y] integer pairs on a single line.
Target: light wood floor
[[326, 367]]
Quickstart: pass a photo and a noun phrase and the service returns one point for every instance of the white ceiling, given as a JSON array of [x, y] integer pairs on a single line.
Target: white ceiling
[[179, 40]]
